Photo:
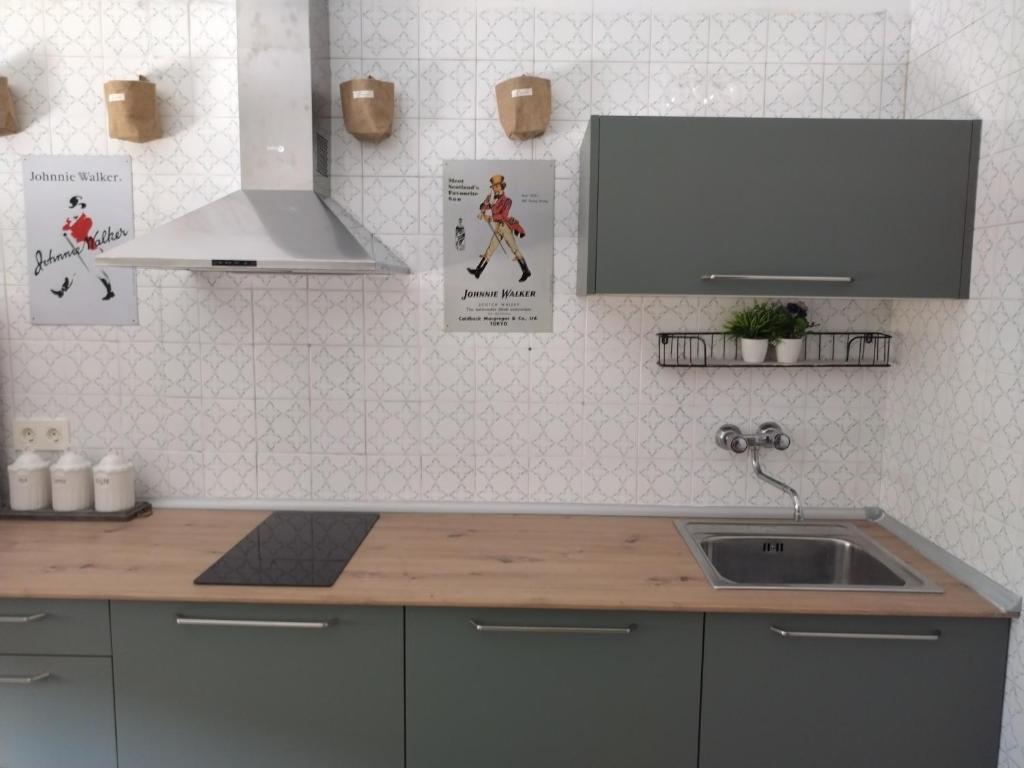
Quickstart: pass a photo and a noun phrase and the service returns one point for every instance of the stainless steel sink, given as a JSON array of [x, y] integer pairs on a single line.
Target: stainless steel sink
[[792, 555]]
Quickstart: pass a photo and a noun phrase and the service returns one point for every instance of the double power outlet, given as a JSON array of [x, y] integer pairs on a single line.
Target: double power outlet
[[42, 434]]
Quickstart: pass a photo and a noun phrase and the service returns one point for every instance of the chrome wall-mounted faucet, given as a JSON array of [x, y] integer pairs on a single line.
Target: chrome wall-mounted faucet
[[768, 435]]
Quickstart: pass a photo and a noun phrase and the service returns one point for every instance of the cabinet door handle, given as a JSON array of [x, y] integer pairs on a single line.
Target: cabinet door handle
[[783, 278], [23, 679], [26, 619], [926, 638], [552, 630], [188, 621]]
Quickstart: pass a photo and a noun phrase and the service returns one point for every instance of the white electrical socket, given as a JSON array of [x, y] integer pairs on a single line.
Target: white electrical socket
[[42, 434]]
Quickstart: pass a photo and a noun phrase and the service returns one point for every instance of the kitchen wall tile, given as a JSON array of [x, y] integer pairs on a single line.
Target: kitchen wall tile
[[448, 478], [679, 37], [793, 90], [563, 34], [447, 31], [390, 31], [229, 475], [284, 476], [621, 36], [736, 90], [856, 38], [447, 89], [852, 91], [281, 371], [555, 479], [797, 38], [570, 88], [739, 37], [610, 480], [504, 32], [282, 426], [393, 478], [621, 89], [678, 89], [338, 478]]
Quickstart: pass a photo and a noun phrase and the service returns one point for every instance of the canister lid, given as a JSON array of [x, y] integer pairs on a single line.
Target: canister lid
[[113, 462], [29, 460], [71, 461]]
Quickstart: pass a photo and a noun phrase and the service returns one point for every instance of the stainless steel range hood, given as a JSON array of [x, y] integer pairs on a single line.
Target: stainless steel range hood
[[283, 219]]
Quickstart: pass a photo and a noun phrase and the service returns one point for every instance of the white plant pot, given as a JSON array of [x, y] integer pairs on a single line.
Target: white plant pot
[[754, 350], [787, 351]]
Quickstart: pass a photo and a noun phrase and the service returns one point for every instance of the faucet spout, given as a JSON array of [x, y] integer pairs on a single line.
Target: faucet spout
[[760, 474]]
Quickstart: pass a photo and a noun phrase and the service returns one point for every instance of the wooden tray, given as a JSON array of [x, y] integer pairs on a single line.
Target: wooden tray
[[141, 509]]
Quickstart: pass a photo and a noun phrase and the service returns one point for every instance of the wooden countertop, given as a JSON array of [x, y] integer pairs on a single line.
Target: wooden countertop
[[500, 561]]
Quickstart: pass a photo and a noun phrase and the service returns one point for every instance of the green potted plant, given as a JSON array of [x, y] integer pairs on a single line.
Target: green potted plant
[[793, 327], [755, 326]]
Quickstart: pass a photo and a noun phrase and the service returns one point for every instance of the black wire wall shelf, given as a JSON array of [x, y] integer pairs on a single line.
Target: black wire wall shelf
[[820, 349]]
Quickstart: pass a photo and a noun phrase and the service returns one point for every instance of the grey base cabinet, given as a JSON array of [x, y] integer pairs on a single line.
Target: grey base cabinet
[[258, 686], [550, 689], [848, 692], [56, 711]]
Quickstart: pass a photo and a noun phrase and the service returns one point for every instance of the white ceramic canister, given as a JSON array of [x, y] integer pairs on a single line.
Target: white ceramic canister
[[29, 479], [113, 480], [71, 482]]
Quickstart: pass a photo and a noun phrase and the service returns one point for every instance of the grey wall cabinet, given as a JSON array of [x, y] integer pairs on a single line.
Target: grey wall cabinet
[[531, 691], [808, 702], [266, 695], [667, 201], [56, 689]]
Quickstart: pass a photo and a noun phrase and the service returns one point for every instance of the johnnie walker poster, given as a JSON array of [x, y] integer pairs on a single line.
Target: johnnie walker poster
[[75, 209], [499, 245]]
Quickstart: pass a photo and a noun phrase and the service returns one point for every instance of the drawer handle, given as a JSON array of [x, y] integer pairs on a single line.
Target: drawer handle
[[783, 278], [27, 619], [926, 638], [25, 679], [187, 621], [548, 630]]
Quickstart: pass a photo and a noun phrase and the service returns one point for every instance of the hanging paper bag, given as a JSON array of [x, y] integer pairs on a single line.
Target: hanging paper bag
[[368, 106], [8, 122], [131, 110], [524, 106]]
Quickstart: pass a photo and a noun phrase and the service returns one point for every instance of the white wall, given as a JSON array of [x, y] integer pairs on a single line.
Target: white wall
[[347, 388], [954, 454]]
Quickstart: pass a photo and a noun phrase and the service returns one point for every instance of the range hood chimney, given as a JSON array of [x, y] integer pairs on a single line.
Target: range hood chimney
[[283, 219]]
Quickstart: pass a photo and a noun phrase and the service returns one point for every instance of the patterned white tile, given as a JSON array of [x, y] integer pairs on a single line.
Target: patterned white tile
[[621, 89], [555, 479], [563, 34], [281, 371], [622, 36], [678, 89], [227, 371], [447, 89], [394, 478], [679, 37], [390, 31], [392, 427], [610, 480], [504, 32], [282, 426], [739, 37], [229, 425], [501, 429], [856, 38], [797, 38], [338, 477], [502, 478], [447, 428], [852, 90], [284, 476], [392, 373], [556, 429], [447, 31], [664, 482], [736, 90], [793, 90], [337, 372], [570, 88], [448, 478]]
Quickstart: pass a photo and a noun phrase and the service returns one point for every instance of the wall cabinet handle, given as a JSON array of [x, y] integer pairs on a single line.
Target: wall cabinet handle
[[188, 621], [927, 637], [26, 619], [783, 278], [24, 679], [551, 630]]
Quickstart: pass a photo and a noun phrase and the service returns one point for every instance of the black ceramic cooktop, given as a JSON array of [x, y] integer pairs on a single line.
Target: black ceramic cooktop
[[293, 549]]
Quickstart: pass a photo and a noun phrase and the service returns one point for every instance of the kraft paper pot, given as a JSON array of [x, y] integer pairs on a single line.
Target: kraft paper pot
[[524, 106], [368, 107], [131, 110], [8, 122]]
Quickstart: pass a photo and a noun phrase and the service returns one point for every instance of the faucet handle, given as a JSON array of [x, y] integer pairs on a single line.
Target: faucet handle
[[731, 439], [774, 436]]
